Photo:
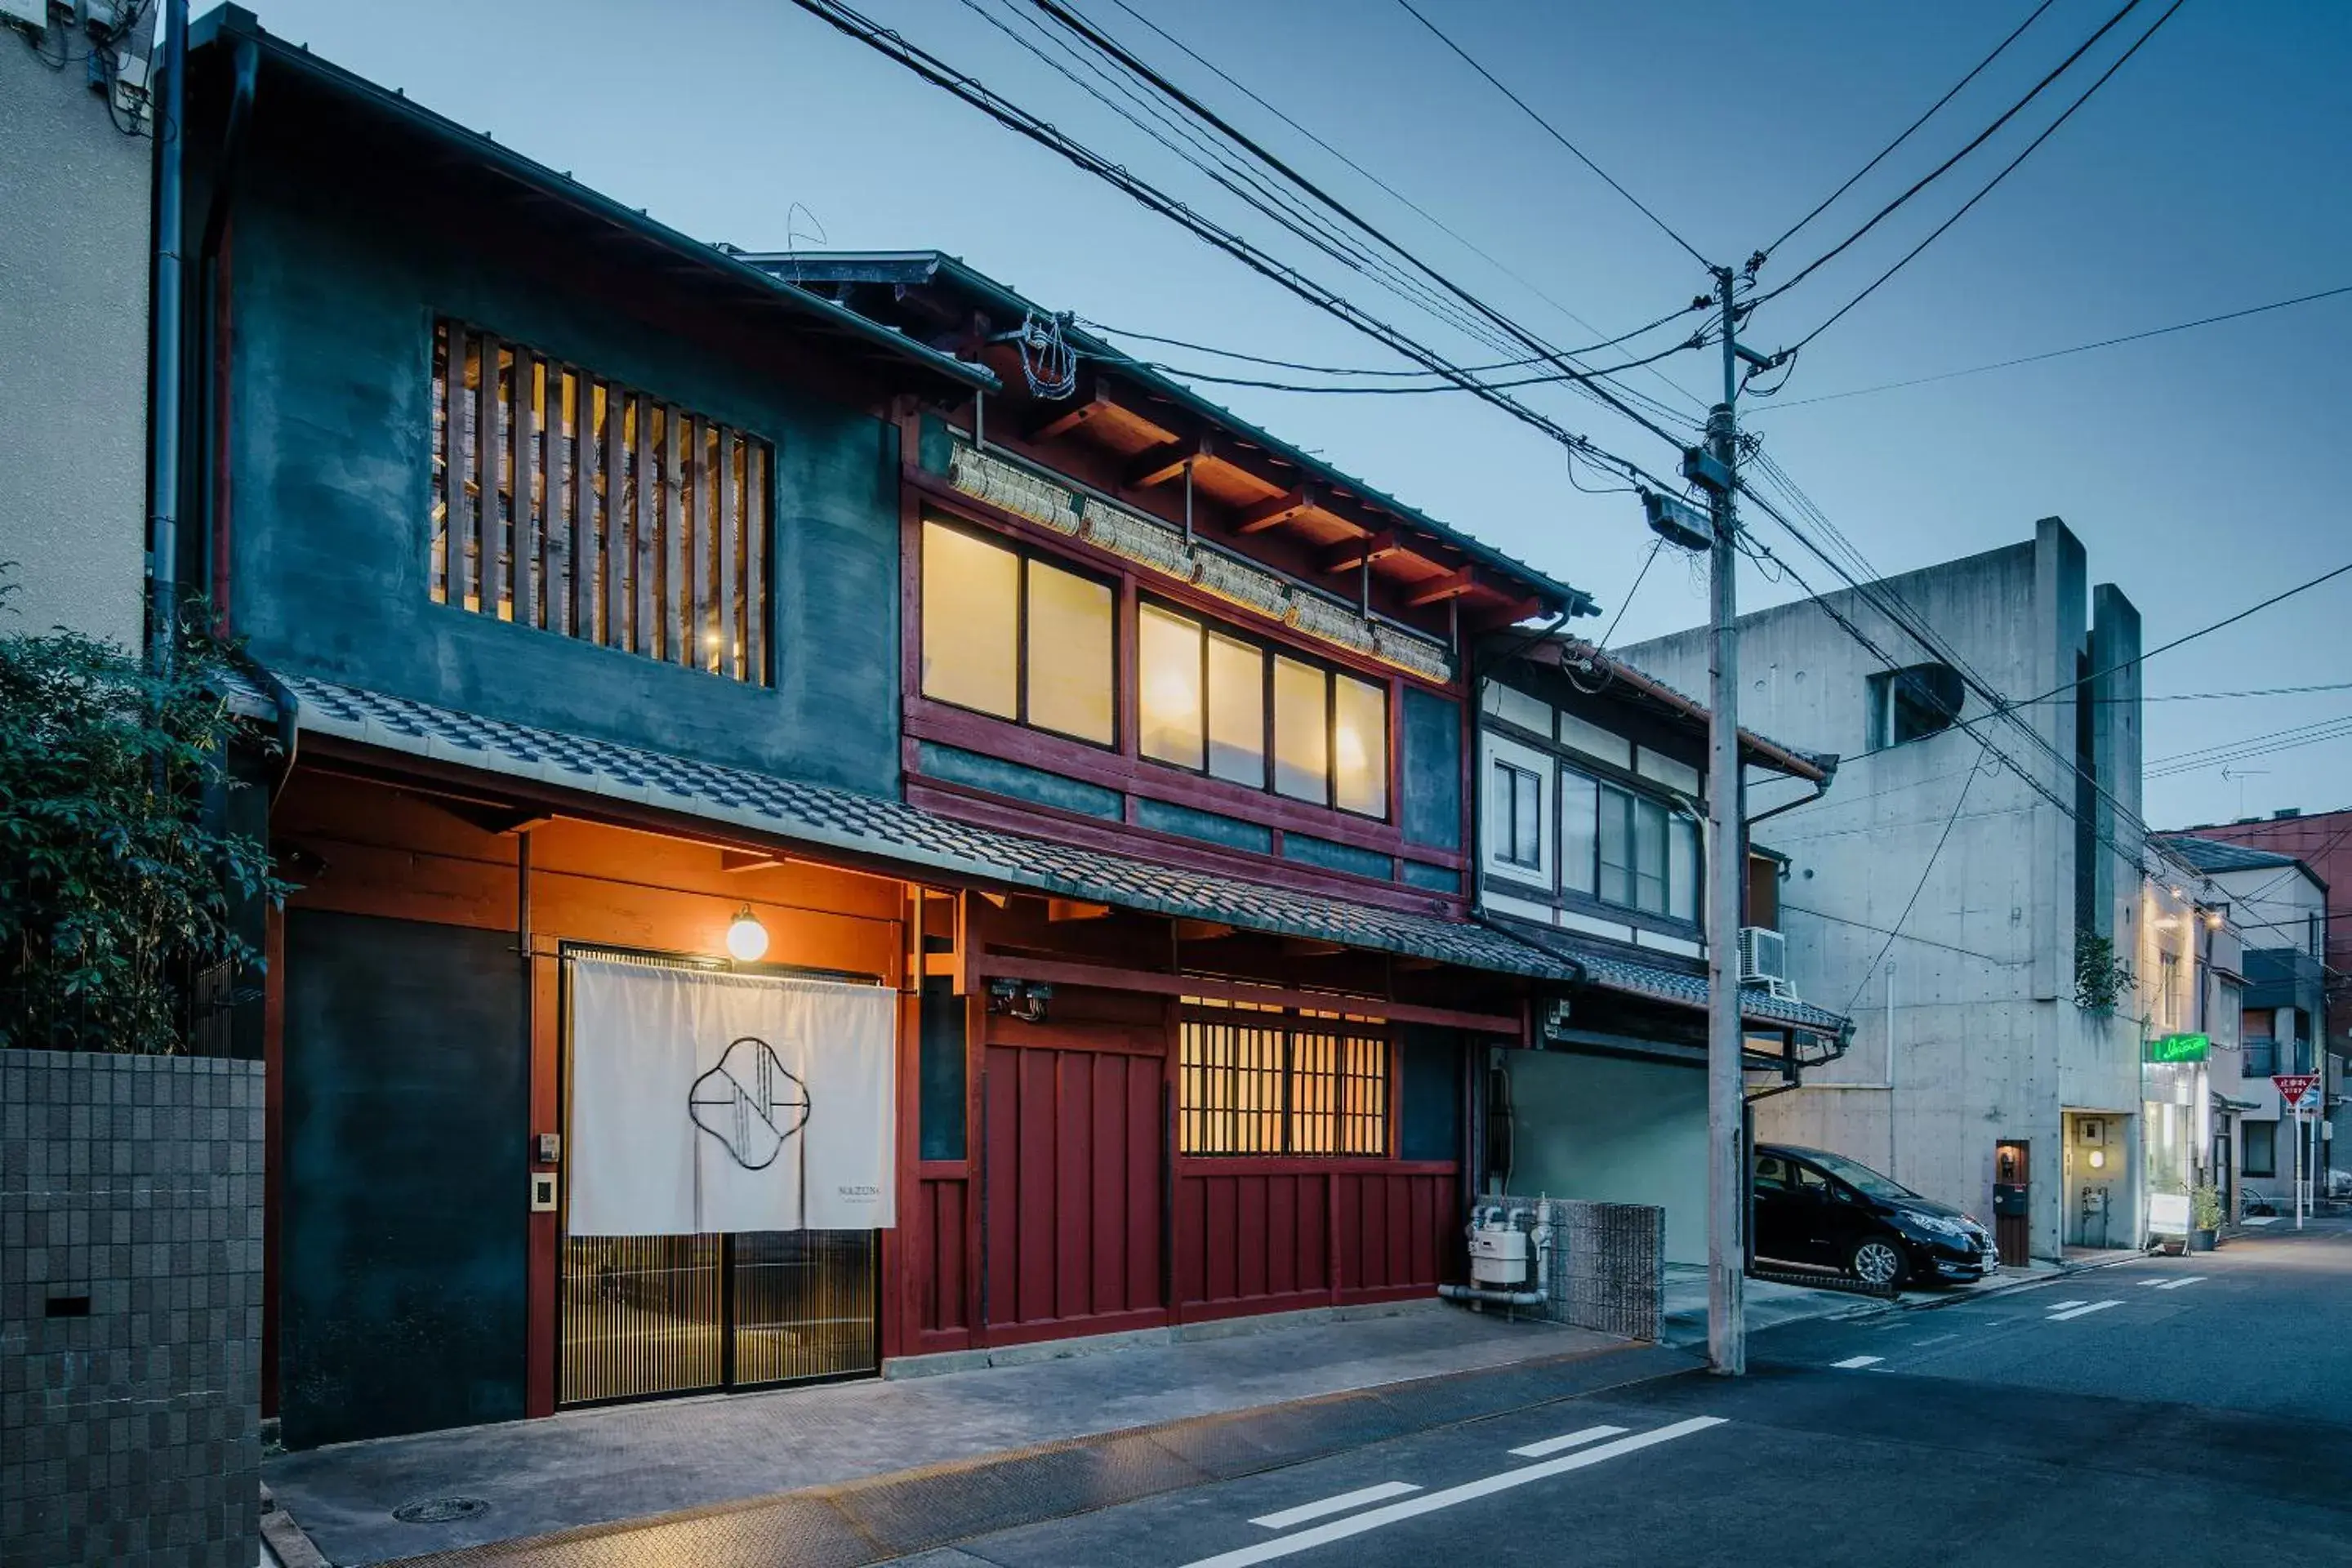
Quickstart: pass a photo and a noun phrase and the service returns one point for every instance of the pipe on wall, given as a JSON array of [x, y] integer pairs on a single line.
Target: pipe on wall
[[213, 416], [167, 365]]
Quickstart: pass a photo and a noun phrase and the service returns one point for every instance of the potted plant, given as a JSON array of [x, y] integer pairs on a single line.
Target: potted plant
[[2204, 1216]]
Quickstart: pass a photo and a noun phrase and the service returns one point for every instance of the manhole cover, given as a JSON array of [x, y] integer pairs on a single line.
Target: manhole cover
[[438, 1510]]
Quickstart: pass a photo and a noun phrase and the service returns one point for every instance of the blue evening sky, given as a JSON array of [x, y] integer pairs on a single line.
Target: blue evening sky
[[2200, 470]]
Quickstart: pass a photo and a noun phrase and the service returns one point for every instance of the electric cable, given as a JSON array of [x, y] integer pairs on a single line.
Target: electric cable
[[1939, 170], [1403, 200], [1554, 131], [1905, 134], [2006, 170], [1520, 364], [2076, 349], [1551, 379]]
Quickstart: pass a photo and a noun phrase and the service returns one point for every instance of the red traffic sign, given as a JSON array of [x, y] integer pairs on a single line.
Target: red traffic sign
[[2294, 1086]]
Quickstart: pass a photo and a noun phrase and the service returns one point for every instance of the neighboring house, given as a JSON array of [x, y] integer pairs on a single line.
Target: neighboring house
[[666, 652], [1949, 902], [74, 263], [2188, 997], [1593, 843], [2321, 840], [2281, 905]]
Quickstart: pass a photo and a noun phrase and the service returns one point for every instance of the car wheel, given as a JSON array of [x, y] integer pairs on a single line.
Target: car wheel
[[1878, 1261]]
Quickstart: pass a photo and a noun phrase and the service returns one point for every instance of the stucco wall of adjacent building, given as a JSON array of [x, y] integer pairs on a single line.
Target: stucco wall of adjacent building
[[73, 352], [1607, 1130], [1966, 1029]]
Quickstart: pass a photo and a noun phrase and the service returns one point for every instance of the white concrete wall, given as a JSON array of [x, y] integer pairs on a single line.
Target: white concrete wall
[[1610, 1130], [73, 350], [1975, 1036]]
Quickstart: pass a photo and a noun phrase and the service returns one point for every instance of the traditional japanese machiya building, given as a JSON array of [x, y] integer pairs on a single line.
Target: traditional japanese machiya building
[[813, 850]]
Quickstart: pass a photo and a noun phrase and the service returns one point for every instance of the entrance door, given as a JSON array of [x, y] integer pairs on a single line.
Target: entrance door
[[647, 1315], [2013, 1190], [1074, 1148]]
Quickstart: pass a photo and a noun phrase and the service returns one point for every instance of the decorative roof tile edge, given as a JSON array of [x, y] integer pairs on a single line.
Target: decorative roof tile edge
[[351, 713]]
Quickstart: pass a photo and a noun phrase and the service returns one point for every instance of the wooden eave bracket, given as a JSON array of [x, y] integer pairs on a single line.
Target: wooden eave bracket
[[1062, 419], [1437, 589], [1350, 555], [1164, 463], [1277, 509]]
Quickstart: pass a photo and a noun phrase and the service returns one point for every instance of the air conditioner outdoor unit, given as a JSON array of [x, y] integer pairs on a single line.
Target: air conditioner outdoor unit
[[1763, 958]]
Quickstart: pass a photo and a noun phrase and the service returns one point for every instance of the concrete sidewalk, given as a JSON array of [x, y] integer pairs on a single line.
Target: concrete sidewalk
[[626, 1462]]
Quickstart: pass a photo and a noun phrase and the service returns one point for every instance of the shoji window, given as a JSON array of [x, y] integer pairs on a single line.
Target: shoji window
[[1007, 633], [1258, 1079], [578, 506]]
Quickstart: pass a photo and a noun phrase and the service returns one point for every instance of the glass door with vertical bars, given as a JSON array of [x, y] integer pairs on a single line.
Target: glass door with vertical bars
[[643, 1316]]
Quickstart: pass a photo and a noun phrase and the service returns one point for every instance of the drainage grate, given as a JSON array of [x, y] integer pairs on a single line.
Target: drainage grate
[[439, 1509]]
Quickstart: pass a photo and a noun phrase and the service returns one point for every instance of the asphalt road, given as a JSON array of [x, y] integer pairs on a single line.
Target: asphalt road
[[2189, 1411]]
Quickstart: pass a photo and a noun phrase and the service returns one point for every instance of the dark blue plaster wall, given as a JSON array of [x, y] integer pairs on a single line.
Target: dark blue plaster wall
[[1433, 770], [336, 287]]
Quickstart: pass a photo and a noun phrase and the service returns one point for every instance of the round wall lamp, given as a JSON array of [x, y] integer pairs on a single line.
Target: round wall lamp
[[2099, 1159], [747, 939]]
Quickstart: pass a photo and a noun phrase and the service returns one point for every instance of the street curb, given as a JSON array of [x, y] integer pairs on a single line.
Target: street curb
[[288, 1546], [881, 1517]]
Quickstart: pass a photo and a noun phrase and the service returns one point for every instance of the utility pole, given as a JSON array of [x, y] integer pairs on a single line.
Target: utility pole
[[1726, 1094]]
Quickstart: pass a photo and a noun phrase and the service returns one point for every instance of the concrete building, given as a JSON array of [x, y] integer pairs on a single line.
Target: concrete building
[[1968, 906], [2321, 840], [74, 228], [2281, 905]]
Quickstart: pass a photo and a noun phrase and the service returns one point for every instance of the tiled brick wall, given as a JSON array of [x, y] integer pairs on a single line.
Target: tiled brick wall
[[1607, 1265], [130, 1436]]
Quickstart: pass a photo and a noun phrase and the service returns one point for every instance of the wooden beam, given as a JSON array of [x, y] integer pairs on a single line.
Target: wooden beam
[[1062, 420], [1056, 972], [1164, 463], [1201, 930], [1307, 947], [1277, 509], [1350, 555], [1414, 965], [1453, 585], [747, 861], [1075, 910]]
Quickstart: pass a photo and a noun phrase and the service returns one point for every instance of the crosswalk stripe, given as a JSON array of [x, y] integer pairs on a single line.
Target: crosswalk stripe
[[1853, 1361], [2061, 1306], [1568, 1440], [1430, 1502], [2177, 1284], [1340, 1504], [2084, 1312]]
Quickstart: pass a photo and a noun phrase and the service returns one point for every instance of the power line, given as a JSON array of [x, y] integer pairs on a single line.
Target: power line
[[2252, 746], [1119, 52], [1626, 603], [1397, 195], [930, 67], [1939, 170], [2076, 349], [1551, 379], [2187, 637], [1851, 180], [1553, 130], [1365, 370], [2254, 691], [2006, 170]]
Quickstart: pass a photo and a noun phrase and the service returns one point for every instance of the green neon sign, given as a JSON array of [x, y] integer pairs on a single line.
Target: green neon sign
[[2178, 1049]]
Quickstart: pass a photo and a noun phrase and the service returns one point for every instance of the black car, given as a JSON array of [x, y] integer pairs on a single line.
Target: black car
[[1812, 1206]]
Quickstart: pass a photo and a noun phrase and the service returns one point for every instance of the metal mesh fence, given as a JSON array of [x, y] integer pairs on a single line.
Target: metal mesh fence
[[1607, 1265]]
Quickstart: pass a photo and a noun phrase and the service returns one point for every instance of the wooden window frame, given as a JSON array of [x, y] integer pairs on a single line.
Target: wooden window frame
[[1504, 857], [1025, 557], [1268, 651], [1602, 789], [591, 529], [1288, 1114]]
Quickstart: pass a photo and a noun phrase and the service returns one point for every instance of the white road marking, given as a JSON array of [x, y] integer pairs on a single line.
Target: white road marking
[[2082, 1311], [2185, 1279], [2260, 1219], [1341, 1503], [1569, 1440], [1397, 1512], [2061, 1306], [1854, 1362]]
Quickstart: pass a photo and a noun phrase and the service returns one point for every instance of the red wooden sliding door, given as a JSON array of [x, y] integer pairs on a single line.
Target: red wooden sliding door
[[1075, 1151]]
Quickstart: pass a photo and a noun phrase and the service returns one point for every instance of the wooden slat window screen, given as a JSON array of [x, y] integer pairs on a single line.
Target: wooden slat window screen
[[578, 506], [1253, 1080]]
